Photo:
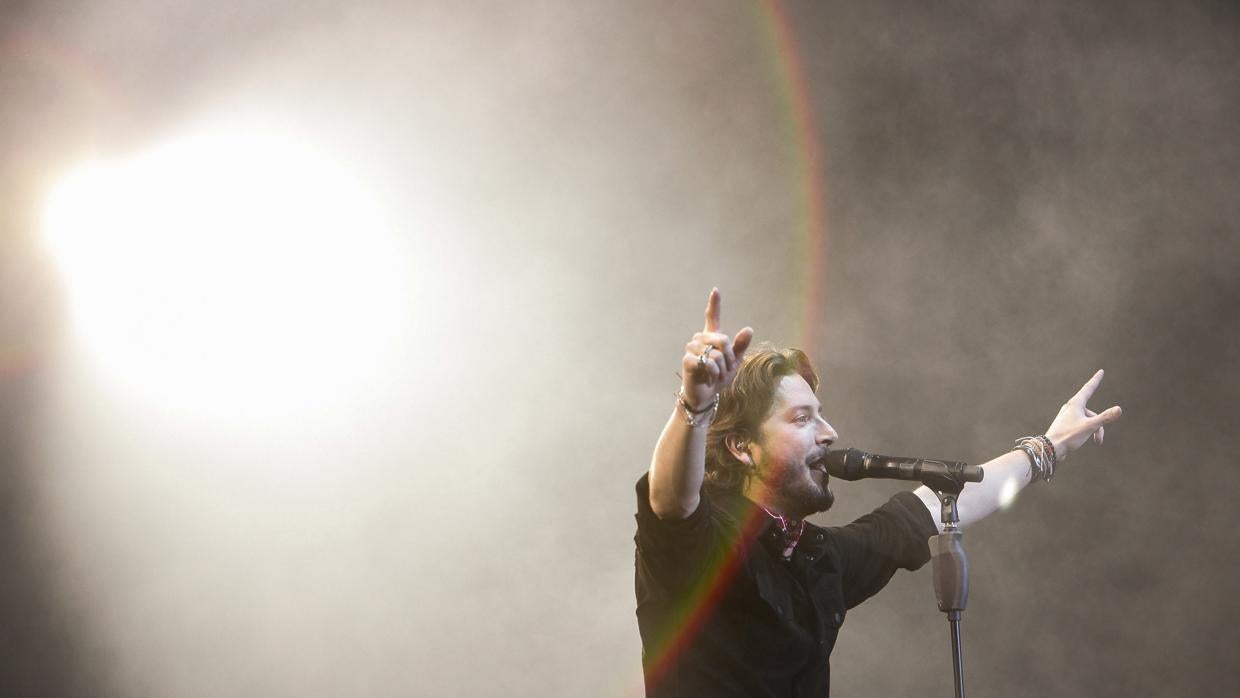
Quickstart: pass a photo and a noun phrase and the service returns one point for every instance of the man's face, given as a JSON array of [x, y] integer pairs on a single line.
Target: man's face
[[793, 436]]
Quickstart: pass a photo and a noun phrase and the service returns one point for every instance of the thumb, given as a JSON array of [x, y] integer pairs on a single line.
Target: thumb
[[1105, 417], [741, 342]]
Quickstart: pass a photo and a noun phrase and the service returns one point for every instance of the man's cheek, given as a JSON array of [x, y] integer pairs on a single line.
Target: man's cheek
[[779, 471]]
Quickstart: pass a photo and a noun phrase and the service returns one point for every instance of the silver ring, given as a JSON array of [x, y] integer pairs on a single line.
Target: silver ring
[[705, 353]]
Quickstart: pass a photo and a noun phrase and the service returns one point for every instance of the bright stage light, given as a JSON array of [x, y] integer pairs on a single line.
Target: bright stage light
[[230, 272]]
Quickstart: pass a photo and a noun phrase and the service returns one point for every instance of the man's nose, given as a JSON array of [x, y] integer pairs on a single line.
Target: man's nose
[[826, 433]]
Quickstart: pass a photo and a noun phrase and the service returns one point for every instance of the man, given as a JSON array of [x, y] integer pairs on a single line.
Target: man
[[737, 595]]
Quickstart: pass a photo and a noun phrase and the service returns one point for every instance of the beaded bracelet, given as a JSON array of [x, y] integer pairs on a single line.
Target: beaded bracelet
[[1041, 455], [1049, 450]]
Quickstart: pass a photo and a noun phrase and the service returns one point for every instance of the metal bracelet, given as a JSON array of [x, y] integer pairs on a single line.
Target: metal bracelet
[[1041, 456], [690, 413]]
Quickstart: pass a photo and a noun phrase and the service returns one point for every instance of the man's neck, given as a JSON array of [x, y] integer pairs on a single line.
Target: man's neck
[[765, 498]]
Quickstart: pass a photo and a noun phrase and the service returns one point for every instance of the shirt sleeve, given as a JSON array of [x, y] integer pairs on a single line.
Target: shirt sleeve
[[673, 553], [871, 549]]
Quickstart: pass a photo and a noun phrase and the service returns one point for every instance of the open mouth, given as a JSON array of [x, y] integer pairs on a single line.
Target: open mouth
[[819, 464]]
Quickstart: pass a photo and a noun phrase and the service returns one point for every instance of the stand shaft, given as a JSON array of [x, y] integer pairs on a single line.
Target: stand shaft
[[953, 618], [951, 576]]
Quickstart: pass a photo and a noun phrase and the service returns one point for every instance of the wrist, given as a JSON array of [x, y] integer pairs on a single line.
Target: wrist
[[1042, 456], [697, 417], [696, 401], [1059, 444]]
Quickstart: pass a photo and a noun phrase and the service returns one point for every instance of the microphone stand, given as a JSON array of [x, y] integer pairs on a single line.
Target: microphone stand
[[951, 566]]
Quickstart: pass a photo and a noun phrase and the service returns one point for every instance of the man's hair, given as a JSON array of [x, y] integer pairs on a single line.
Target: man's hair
[[744, 406]]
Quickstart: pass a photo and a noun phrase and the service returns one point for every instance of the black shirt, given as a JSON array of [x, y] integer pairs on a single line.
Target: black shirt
[[721, 613]]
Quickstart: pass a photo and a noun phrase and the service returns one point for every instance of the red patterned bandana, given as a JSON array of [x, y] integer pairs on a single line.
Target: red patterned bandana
[[790, 530]]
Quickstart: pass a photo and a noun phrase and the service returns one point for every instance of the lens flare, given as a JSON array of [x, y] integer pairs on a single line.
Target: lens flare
[[1007, 494]]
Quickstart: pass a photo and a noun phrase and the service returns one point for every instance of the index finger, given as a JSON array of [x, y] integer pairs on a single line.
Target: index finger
[[712, 311], [1087, 391]]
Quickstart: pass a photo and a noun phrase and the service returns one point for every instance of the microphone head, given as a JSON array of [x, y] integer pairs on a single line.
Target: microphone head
[[846, 464]]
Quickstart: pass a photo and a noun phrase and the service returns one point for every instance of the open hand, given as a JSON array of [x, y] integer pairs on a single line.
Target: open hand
[[1076, 423]]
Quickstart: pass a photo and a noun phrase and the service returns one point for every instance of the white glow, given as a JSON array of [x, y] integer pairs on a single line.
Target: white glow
[[231, 271], [1007, 494]]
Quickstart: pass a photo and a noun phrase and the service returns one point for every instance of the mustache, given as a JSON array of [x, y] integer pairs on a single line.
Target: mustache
[[819, 459]]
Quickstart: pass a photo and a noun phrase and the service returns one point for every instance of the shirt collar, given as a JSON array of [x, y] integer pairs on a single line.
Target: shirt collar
[[790, 531]]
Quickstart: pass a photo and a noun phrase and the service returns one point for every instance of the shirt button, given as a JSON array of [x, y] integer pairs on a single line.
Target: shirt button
[[819, 536], [809, 557], [837, 617]]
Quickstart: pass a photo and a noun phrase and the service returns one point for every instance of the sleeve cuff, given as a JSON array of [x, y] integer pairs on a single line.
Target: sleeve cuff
[[655, 532], [919, 526]]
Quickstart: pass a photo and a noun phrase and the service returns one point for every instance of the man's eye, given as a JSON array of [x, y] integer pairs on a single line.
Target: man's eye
[[803, 419]]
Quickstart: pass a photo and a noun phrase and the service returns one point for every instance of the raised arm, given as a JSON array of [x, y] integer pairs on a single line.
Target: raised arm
[[679, 463], [1012, 471]]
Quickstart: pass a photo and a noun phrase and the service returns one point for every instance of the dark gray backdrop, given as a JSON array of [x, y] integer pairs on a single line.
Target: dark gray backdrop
[[1017, 194]]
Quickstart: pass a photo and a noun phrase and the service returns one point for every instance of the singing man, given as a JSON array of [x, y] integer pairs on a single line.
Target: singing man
[[737, 594]]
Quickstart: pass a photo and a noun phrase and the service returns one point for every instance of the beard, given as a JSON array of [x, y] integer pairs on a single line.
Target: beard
[[798, 490]]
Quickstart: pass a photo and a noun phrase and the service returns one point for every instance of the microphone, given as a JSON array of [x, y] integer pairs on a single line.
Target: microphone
[[851, 464]]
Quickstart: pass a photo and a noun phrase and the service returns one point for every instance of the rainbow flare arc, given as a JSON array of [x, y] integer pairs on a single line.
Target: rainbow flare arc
[[812, 232]]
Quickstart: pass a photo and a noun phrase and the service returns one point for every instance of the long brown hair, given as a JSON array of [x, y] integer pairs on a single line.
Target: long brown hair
[[744, 405]]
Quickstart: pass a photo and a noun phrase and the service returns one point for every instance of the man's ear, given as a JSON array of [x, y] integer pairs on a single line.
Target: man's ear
[[738, 446]]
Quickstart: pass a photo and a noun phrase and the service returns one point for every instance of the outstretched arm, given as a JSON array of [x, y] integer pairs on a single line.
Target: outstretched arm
[[1008, 474], [679, 463]]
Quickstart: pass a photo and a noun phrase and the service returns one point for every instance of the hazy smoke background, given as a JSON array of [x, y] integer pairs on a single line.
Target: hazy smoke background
[[1017, 194]]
